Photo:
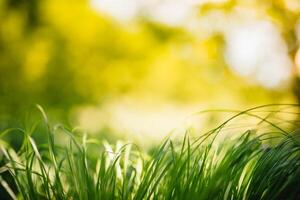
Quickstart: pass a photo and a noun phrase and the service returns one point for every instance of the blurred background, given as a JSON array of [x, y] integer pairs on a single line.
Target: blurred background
[[137, 69]]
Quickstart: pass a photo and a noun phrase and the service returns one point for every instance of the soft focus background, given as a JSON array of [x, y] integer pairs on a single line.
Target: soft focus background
[[137, 69]]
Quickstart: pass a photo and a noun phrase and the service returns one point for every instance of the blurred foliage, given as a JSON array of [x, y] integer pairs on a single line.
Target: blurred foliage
[[63, 54]]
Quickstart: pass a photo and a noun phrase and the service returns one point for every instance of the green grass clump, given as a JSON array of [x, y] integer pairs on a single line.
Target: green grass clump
[[259, 163]]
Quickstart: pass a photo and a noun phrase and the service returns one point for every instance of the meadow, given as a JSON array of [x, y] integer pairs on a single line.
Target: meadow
[[124, 85], [261, 162]]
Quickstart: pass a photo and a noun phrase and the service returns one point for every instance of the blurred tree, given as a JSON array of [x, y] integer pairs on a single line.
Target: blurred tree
[[63, 54], [284, 13]]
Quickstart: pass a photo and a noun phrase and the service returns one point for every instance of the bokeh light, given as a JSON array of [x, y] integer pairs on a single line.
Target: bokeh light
[[140, 69]]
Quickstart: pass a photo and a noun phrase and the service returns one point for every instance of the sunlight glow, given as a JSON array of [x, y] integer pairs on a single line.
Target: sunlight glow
[[142, 123], [120, 9], [256, 48], [170, 12]]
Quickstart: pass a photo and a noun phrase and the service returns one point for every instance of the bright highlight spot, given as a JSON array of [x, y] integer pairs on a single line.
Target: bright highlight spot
[[257, 49], [170, 12], [150, 123], [120, 9]]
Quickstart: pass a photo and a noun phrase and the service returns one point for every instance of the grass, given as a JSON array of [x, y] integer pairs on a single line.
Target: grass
[[261, 162]]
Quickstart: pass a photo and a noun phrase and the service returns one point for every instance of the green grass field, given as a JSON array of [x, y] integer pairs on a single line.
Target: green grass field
[[261, 162]]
